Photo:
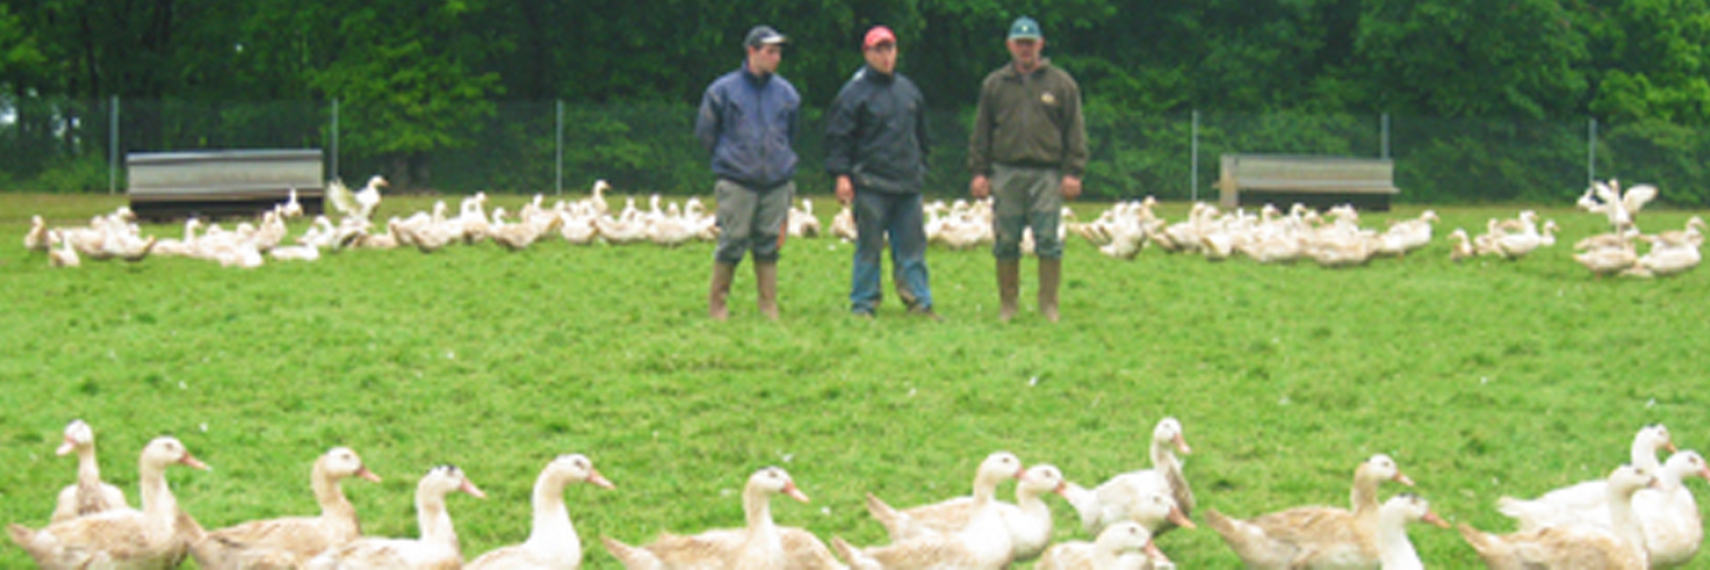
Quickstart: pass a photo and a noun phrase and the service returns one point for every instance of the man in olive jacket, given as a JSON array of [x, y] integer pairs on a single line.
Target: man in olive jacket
[[1028, 151], [877, 144]]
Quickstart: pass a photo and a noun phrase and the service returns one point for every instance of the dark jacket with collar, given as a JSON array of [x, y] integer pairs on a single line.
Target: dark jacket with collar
[[876, 133], [1031, 119], [748, 123]]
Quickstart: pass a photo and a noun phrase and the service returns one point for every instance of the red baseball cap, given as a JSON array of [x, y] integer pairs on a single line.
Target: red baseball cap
[[878, 35]]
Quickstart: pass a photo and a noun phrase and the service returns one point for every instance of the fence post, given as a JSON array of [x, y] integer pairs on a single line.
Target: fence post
[[558, 154], [1193, 172], [1384, 136], [113, 147], [1591, 152], [334, 136]]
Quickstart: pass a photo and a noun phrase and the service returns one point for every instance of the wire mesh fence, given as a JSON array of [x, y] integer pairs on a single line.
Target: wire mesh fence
[[549, 146]]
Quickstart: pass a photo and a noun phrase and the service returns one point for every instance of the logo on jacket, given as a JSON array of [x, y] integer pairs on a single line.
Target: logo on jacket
[[1048, 99]]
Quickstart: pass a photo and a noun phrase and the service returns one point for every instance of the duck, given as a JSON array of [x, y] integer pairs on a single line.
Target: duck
[[153, 537], [952, 513], [368, 198], [437, 547], [1122, 546], [1306, 537], [89, 495], [1513, 246], [757, 546], [983, 541], [1669, 514], [37, 238], [66, 255], [1152, 509], [552, 541], [1664, 259], [1608, 260], [1460, 246], [1575, 545], [1692, 235], [1028, 520], [1589, 500], [291, 541], [843, 224], [802, 222], [291, 208], [1119, 498], [295, 253], [1408, 235]]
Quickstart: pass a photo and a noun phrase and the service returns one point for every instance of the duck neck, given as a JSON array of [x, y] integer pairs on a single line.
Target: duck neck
[[157, 500], [1645, 454], [551, 521], [88, 470], [1365, 492], [1084, 501], [330, 496], [757, 506], [1395, 550], [1621, 518], [434, 521]]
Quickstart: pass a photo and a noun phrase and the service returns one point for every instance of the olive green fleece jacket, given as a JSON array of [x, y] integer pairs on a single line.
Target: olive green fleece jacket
[[1029, 120]]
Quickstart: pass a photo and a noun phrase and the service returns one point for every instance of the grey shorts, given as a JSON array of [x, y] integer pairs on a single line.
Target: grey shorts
[[1026, 197], [751, 220]]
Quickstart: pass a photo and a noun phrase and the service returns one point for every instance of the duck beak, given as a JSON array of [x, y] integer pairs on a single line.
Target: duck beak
[[1669, 445], [1181, 520], [364, 473], [1432, 518], [65, 447], [1402, 479], [1156, 555], [600, 481], [795, 493], [468, 487], [1182, 446], [193, 462]]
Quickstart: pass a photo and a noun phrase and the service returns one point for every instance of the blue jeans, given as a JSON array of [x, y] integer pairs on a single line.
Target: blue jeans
[[878, 214]]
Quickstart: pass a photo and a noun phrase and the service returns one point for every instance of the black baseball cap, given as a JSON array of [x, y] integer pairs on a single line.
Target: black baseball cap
[[763, 35]]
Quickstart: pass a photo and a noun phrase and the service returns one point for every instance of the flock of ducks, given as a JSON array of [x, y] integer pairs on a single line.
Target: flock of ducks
[[1642, 516], [1332, 239]]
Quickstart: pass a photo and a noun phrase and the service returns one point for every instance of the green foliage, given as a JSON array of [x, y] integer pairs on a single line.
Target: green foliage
[[84, 174], [1660, 153]]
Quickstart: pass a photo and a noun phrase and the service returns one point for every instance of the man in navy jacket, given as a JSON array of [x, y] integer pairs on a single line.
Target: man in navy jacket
[[877, 144], [747, 121]]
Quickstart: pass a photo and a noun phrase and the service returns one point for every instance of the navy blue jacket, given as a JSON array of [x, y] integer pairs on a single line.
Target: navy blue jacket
[[748, 122], [876, 133]]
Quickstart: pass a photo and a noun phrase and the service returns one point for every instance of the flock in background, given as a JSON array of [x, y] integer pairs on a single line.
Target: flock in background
[[1641, 516], [1332, 239]]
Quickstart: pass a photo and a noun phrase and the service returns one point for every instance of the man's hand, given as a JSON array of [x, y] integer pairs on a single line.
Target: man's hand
[[980, 187], [845, 190], [1071, 187]]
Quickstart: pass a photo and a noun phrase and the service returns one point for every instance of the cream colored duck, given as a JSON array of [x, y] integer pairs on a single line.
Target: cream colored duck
[[984, 544], [1122, 546], [802, 222], [1608, 260], [66, 255], [1460, 246], [758, 546], [290, 542], [1408, 235], [37, 238], [437, 547], [843, 224], [1315, 537], [1028, 520], [951, 513], [1153, 509], [89, 495], [121, 538], [1673, 527], [1513, 246], [552, 541], [1120, 498], [1574, 545], [1665, 260], [1589, 500]]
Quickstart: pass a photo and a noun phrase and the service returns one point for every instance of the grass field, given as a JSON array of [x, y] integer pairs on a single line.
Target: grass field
[[1481, 379]]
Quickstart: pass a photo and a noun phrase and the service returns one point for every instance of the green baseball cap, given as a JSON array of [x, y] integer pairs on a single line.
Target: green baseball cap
[[1025, 28]]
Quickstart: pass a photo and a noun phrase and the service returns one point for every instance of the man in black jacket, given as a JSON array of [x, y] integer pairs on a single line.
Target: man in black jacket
[[877, 142]]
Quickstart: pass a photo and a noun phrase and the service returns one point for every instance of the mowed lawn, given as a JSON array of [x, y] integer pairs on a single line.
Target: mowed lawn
[[1482, 379]]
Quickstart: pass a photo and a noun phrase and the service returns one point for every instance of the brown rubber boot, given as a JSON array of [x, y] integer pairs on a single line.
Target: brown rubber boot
[[1009, 287], [722, 275], [766, 281], [1050, 276]]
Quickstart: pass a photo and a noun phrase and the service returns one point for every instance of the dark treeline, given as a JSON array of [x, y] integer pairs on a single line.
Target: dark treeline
[[416, 77]]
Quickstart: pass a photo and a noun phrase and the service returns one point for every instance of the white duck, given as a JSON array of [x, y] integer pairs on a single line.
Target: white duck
[[1153, 509], [368, 198], [984, 542], [154, 537], [1575, 545], [1028, 520], [843, 224], [1120, 498], [1122, 546], [1460, 246], [1664, 259], [291, 541], [89, 495], [1586, 501], [1308, 537], [758, 546], [1669, 514], [37, 238], [66, 255], [552, 541], [292, 208], [951, 513], [437, 547]]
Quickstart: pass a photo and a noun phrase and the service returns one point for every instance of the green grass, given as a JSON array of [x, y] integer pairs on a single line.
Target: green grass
[[1481, 379]]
